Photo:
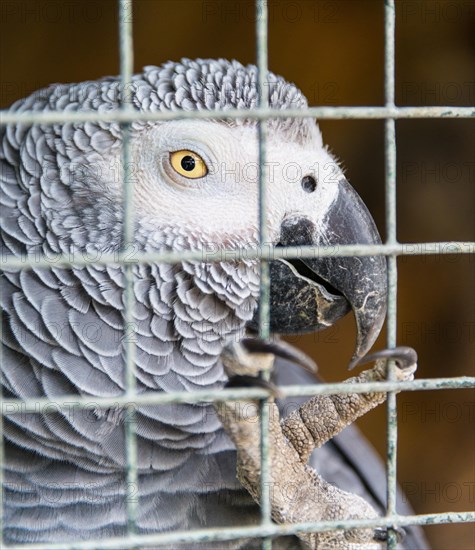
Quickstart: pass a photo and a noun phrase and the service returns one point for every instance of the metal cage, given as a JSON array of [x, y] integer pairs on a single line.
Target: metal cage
[[391, 248]]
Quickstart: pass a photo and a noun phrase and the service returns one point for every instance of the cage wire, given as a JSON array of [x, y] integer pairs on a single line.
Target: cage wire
[[391, 249]]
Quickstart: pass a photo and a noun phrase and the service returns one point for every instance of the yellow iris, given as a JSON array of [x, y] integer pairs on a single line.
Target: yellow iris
[[188, 164]]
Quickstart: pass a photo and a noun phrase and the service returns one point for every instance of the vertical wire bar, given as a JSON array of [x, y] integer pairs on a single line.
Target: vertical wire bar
[[390, 176], [126, 69], [263, 102], [264, 294]]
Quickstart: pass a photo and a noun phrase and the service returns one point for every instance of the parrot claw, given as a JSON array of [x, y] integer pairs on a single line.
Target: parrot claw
[[253, 382], [404, 357], [281, 349], [250, 356]]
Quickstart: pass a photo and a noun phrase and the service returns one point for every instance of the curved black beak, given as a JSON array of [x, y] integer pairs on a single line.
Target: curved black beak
[[313, 293]]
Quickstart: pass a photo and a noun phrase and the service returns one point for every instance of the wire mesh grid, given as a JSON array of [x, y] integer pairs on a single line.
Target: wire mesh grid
[[392, 249]]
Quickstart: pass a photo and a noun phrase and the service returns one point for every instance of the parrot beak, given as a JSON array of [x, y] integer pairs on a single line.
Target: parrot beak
[[311, 294]]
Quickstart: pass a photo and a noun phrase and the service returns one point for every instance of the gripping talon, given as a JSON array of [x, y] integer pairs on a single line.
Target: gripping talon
[[404, 357], [253, 382], [281, 349]]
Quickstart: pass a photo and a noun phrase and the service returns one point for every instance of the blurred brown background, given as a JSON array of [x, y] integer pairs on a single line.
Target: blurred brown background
[[333, 50]]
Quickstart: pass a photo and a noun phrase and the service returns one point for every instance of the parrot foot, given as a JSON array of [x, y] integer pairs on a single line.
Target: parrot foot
[[298, 493]]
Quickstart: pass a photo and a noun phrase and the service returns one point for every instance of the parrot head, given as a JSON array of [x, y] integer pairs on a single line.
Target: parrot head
[[197, 187]]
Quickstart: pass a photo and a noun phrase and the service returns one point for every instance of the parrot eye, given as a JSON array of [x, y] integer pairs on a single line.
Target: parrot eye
[[188, 164]]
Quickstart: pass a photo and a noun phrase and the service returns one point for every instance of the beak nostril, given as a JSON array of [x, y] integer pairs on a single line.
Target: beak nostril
[[309, 184]]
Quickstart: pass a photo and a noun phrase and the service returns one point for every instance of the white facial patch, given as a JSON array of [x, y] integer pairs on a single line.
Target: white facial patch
[[225, 201]]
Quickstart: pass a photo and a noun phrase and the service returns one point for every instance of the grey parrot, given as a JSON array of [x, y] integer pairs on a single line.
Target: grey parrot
[[196, 188]]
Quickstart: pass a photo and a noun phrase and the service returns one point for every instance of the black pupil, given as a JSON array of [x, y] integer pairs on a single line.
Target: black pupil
[[309, 184], [188, 163]]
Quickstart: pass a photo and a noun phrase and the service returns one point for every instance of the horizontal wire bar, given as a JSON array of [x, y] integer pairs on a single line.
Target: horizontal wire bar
[[233, 533], [45, 405], [335, 113], [220, 254]]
